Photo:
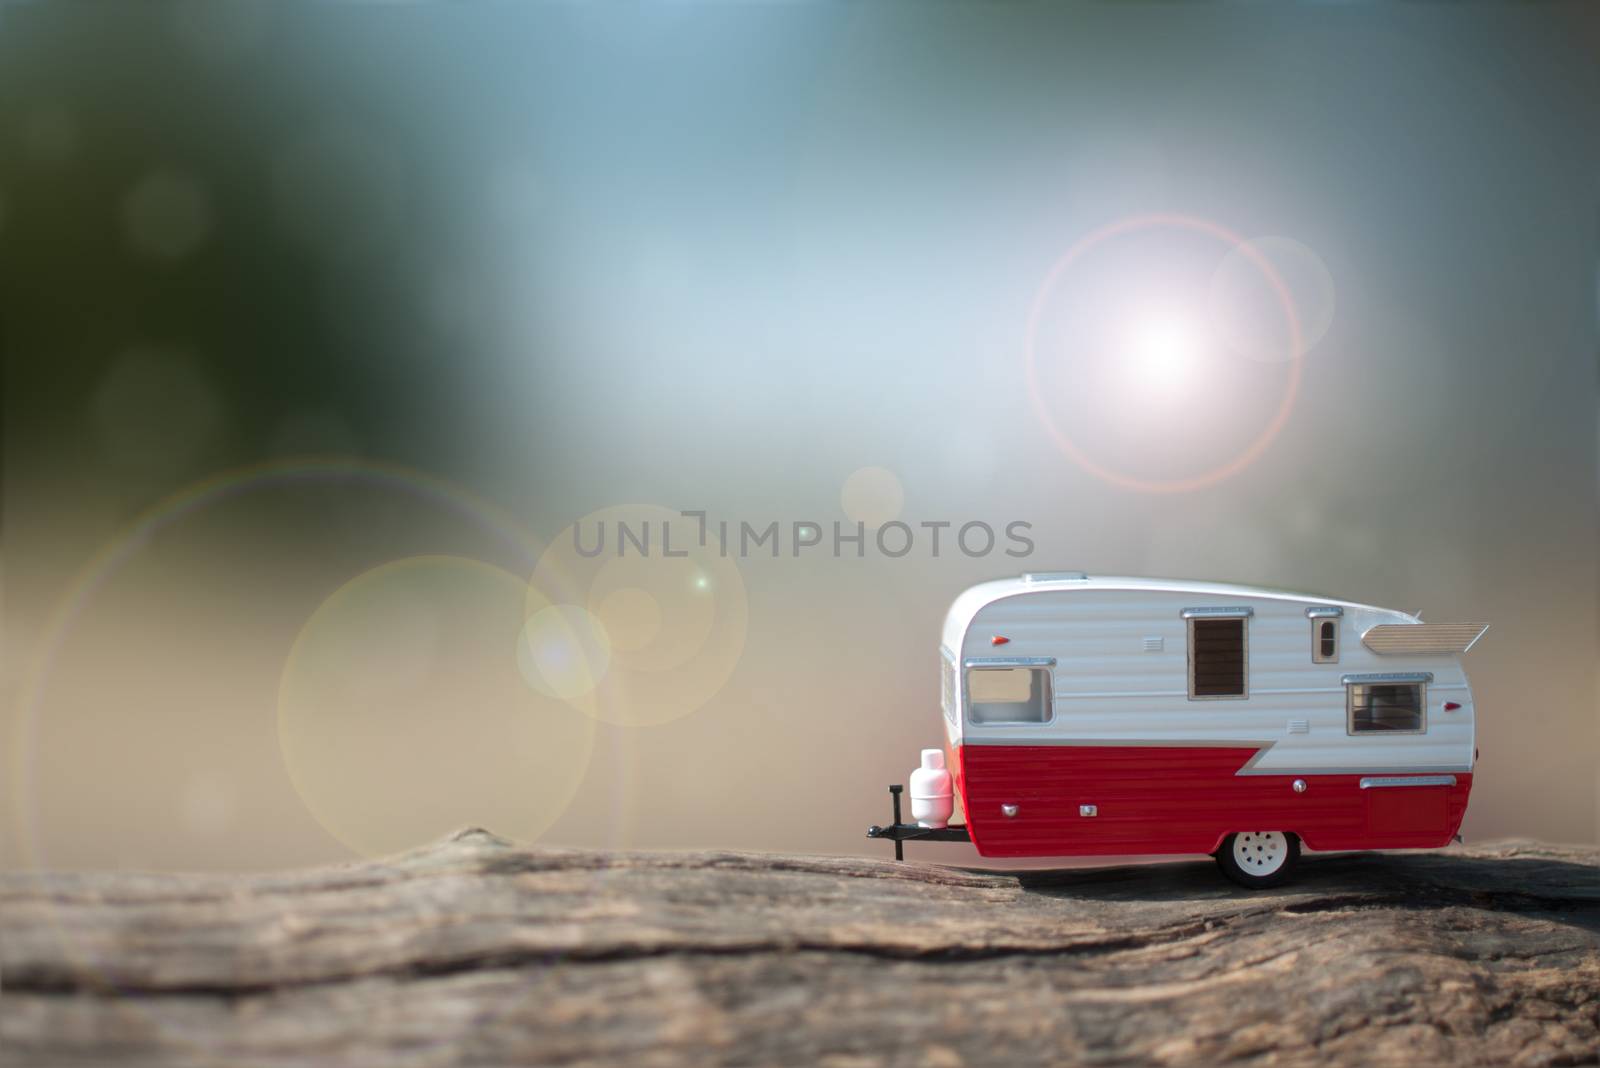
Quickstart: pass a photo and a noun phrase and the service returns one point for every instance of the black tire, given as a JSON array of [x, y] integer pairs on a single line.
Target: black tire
[[1261, 850]]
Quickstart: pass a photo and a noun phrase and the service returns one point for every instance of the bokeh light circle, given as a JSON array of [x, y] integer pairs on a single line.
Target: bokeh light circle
[[403, 713], [563, 651], [1243, 308], [675, 614], [202, 803], [167, 215], [1104, 471], [872, 496]]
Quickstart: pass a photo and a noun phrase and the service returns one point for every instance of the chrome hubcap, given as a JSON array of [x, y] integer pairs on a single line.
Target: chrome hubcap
[[1260, 852]]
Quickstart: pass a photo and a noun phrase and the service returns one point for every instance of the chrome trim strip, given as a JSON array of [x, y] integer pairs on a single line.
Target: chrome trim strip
[[1388, 676], [1234, 612], [1347, 771], [1008, 661], [1248, 768], [1407, 780], [1275, 691], [1281, 691], [1249, 765], [1324, 611], [1103, 694], [1049, 738]]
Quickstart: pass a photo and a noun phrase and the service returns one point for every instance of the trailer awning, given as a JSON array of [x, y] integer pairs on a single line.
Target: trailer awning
[[1398, 639]]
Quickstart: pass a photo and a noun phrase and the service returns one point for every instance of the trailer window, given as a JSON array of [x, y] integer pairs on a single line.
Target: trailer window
[[1325, 641], [1386, 707], [1218, 658], [1008, 695]]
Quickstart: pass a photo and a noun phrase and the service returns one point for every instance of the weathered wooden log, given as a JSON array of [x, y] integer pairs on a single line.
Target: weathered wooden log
[[475, 951]]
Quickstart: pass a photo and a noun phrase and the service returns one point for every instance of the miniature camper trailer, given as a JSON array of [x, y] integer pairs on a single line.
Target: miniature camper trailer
[[1107, 716]]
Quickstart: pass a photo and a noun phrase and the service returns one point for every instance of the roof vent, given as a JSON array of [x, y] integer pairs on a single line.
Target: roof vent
[[1054, 576]]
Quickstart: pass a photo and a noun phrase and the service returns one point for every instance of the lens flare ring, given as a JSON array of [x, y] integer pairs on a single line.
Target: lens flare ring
[[673, 609], [1251, 452], [404, 714], [137, 535]]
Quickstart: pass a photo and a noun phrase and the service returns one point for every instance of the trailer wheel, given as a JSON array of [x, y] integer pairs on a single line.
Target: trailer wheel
[[1259, 859]]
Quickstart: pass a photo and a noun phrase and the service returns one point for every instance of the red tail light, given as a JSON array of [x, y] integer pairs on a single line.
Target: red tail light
[[1450, 706], [999, 639]]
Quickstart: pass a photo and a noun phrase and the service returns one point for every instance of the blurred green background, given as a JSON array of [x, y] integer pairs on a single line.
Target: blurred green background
[[290, 293]]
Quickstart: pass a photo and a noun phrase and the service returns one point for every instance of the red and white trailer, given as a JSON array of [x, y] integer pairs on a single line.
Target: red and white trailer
[[1130, 716]]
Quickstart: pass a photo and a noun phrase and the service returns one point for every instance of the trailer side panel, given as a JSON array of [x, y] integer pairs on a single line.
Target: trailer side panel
[[1161, 800]]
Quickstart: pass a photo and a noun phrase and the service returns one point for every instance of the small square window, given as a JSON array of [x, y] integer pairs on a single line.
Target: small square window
[[1008, 695], [1386, 707]]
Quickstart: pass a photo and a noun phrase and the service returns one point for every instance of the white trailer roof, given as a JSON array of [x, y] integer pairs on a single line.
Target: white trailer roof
[[972, 600]]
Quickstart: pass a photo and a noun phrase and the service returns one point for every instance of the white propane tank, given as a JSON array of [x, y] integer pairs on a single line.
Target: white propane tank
[[932, 800]]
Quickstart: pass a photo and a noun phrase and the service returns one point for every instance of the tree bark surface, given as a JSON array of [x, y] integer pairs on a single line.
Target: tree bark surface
[[474, 951]]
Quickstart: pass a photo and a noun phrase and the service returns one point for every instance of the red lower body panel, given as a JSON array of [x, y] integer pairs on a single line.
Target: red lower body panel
[[1159, 799]]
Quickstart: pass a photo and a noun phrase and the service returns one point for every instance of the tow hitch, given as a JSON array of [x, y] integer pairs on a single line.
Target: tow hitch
[[900, 833]]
